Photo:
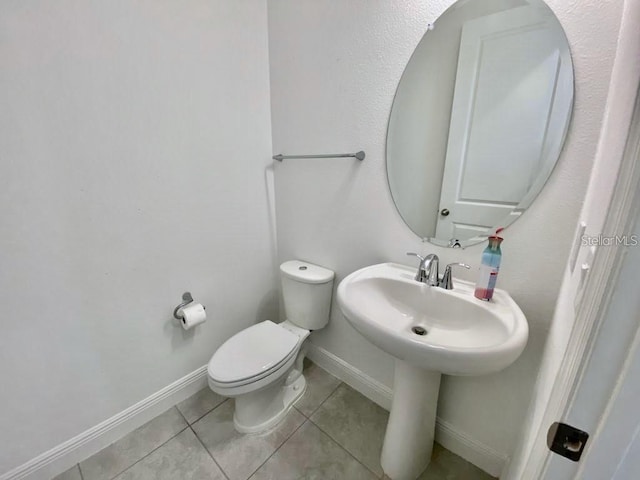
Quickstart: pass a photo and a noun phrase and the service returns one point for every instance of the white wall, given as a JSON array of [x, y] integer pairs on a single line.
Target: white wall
[[334, 70], [133, 143]]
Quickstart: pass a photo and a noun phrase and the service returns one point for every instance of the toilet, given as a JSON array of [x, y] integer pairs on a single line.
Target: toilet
[[261, 366]]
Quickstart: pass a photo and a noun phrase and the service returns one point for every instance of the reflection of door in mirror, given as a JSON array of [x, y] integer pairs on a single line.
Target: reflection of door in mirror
[[505, 104]]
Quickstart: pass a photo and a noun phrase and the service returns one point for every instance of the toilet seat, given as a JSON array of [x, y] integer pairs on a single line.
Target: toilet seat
[[252, 354]]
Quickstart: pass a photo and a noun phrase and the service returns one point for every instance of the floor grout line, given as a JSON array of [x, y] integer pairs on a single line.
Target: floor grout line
[[352, 455], [299, 411], [224, 474], [324, 400], [279, 447], [345, 449], [182, 415], [80, 471], [328, 397], [142, 458], [321, 403], [224, 399]]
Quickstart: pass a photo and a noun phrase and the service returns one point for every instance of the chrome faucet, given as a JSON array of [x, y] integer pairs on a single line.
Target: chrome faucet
[[428, 269]]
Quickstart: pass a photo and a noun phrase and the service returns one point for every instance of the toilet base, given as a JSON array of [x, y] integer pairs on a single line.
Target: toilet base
[[260, 411]]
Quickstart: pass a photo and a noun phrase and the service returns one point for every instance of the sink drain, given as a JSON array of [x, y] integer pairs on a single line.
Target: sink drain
[[419, 330]]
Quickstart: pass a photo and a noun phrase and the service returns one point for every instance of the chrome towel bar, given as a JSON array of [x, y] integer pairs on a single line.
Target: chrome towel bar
[[359, 155]]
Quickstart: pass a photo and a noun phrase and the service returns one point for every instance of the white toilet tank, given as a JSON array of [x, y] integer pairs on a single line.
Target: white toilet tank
[[306, 290]]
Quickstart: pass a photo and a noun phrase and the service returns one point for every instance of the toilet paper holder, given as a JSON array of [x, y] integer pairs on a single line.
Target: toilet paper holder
[[186, 300]]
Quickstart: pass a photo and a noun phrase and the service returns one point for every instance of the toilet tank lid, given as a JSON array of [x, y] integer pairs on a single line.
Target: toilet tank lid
[[306, 272]]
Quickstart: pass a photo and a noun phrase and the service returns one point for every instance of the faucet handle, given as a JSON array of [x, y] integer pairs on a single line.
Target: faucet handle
[[447, 279], [412, 254], [421, 275]]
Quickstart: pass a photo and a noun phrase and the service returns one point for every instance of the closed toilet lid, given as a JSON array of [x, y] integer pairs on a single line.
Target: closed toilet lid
[[252, 352]]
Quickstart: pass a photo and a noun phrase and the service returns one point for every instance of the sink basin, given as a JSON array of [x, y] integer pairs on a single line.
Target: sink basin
[[429, 331], [462, 335]]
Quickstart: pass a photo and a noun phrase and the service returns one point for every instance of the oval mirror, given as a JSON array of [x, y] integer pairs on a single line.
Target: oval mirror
[[479, 118]]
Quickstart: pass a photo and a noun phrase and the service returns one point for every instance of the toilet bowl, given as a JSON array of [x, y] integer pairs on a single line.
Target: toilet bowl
[[261, 366]]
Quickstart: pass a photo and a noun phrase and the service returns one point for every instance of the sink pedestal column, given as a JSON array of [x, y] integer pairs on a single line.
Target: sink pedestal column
[[408, 441]]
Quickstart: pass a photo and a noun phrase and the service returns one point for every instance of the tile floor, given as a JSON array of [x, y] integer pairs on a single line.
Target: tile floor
[[332, 433]]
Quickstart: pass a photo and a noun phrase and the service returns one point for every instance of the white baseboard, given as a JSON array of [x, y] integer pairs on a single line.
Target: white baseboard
[[67, 454], [463, 445], [363, 383], [447, 435]]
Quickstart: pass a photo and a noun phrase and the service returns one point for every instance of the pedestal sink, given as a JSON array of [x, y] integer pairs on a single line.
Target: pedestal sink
[[430, 331]]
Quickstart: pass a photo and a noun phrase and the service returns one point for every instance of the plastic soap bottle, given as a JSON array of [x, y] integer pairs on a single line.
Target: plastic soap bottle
[[489, 267]]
